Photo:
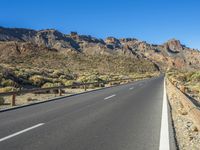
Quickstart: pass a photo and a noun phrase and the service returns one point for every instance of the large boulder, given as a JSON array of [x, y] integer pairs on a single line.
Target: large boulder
[[173, 46]]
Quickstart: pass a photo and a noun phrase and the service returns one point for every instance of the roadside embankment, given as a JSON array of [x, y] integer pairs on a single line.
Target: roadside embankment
[[186, 118]]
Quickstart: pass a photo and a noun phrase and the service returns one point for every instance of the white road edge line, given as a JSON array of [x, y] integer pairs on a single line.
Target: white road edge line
[[109, 97], [164, 130], [20, 132]]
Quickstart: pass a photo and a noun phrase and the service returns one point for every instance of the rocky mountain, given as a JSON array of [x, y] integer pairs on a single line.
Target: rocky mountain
[[22, 42]]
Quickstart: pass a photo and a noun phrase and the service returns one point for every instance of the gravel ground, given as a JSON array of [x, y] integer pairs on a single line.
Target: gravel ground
[[187, 134]]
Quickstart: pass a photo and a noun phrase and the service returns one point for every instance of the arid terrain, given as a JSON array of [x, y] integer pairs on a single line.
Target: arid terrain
[[47, 58], [187, 81], [186, 130]]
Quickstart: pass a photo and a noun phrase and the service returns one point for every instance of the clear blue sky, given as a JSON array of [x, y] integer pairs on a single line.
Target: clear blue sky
[[154, 21]]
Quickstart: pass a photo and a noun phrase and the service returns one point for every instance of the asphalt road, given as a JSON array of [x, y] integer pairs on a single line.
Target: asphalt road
[[126, 117]]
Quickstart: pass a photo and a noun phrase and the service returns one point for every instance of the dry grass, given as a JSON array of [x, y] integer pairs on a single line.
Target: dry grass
[[15, 77], [187, 80]]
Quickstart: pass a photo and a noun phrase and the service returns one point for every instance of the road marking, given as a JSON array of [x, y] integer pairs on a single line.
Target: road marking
[[20, 132], [164, 131], [131, 88], [141, 84], [109, 97]]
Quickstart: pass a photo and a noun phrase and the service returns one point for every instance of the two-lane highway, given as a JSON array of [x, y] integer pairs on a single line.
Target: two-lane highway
[[123, 117]]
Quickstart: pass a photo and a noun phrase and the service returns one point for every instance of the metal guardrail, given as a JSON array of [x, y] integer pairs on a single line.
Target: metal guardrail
[[59, 88]]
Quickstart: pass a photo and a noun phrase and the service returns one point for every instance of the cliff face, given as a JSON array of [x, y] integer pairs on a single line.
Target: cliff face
[[172, 54], [173, 46]]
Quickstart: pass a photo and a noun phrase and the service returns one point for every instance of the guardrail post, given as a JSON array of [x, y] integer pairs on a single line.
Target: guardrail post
[[13, 100], [99, 84], [85, 88], [60, 92]]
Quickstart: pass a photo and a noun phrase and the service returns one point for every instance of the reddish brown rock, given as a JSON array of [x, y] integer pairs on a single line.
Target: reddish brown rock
[[173, 45]]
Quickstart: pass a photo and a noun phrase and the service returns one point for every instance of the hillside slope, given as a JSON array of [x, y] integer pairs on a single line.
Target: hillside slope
[[49, 58], [171, 54]]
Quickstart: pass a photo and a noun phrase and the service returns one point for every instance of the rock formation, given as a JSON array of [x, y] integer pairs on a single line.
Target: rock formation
[[172, 54]]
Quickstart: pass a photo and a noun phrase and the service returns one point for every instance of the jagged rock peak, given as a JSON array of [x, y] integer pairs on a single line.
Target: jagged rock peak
[[128, 39], [173, 45], [111, 40]]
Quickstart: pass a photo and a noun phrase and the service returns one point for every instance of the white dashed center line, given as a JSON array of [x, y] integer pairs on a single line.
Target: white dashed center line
[[20, 132], [131, 88], [109, 97]]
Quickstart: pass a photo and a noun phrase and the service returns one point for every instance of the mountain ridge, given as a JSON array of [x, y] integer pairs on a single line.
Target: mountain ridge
[[171, 54]]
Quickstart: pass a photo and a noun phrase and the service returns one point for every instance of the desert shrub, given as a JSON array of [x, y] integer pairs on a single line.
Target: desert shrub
[[23, 74], [57, 73], [105, 77], [55, 80], [90, 78], [116, 78], [7, 82], [2, 101], [188, 75], [114, 83], [195, 88], [38, 80], [181, 77], [196, 77], [6, 89], [29, 99], [50, 80], [91, 86], [33, 72], [48, 84], [68, 82], [95, 85], [62, 77], [67, 77], [82, 79], [93, 78]]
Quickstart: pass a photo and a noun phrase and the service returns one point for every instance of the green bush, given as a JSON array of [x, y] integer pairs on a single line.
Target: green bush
[[57, 73], [105, 77], [68, 82], [196, 77], [38, 80], [90, 78], [21, 74], [6, 89], [7, 82], [82, 79], [48, 84]]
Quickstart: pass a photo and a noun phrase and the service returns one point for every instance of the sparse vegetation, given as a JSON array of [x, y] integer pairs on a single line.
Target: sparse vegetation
[[55, 70], [188, 79], [6, 89]]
